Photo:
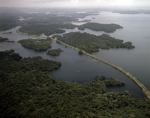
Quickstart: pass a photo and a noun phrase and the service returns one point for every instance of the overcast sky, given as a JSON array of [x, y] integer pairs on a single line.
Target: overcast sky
[[74, 3]]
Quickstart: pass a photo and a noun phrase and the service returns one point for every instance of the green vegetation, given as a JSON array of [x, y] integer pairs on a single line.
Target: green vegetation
[[51, 23], [109, 81], [91, 43], [3, 39], [28, 90], [47, 24], [54, 52], [49, 27], [114, 82], [39, 29], [100, 27], [99, 78], [36, 44]]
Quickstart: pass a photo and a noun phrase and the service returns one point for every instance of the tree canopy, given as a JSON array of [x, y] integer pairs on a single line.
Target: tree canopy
[[109, 28], [54, 52], [91, 43], [28, 90], [3, 39], [36, 44]]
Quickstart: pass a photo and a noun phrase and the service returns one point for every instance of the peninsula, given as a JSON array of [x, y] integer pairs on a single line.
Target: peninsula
[[91, 43]]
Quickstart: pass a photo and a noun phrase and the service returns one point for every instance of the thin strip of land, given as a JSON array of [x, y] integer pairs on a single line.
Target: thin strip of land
[[145, 90]]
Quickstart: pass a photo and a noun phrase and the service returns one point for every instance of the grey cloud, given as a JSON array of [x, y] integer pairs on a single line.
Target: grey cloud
[[65, 2]]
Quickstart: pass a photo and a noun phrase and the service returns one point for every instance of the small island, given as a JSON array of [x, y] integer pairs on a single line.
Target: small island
[[109, 28], [36, 44], [3, 39], [54, 52], [91, 43]]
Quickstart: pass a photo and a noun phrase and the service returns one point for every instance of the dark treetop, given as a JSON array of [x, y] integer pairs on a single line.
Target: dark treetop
[[100, 27], [29, 91], [3, 39], [54, 52], [36, 44]]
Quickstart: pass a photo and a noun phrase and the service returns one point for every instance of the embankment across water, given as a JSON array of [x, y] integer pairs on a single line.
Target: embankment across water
[[145, 90]]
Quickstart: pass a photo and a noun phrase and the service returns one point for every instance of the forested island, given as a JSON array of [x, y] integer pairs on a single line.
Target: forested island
[[3, 39], [48, 25], [39, 23], [28, 90], [37, 28], [36, 44], [91, 43], [47, 29], [54, 52], [109, 28]]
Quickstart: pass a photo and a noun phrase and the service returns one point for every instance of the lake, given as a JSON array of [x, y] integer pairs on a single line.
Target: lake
[[81, 68]]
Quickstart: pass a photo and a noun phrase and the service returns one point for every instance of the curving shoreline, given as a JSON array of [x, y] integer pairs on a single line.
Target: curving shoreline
[[145, 90]]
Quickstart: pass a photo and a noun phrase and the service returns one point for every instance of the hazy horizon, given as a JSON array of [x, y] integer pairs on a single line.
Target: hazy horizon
[[131, 4]]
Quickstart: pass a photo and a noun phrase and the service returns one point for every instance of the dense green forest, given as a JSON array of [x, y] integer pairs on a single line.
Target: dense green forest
[[28, 90], [39, 23], [91, 43], [54, 52], [100, 27], [47, 29], [50, 26], [47, 24], [36, 44]]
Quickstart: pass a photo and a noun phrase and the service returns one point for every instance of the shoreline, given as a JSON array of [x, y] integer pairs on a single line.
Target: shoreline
[[144, 89]]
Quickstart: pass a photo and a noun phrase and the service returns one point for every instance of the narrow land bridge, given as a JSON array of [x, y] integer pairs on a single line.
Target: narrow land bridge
[[145, 90]]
